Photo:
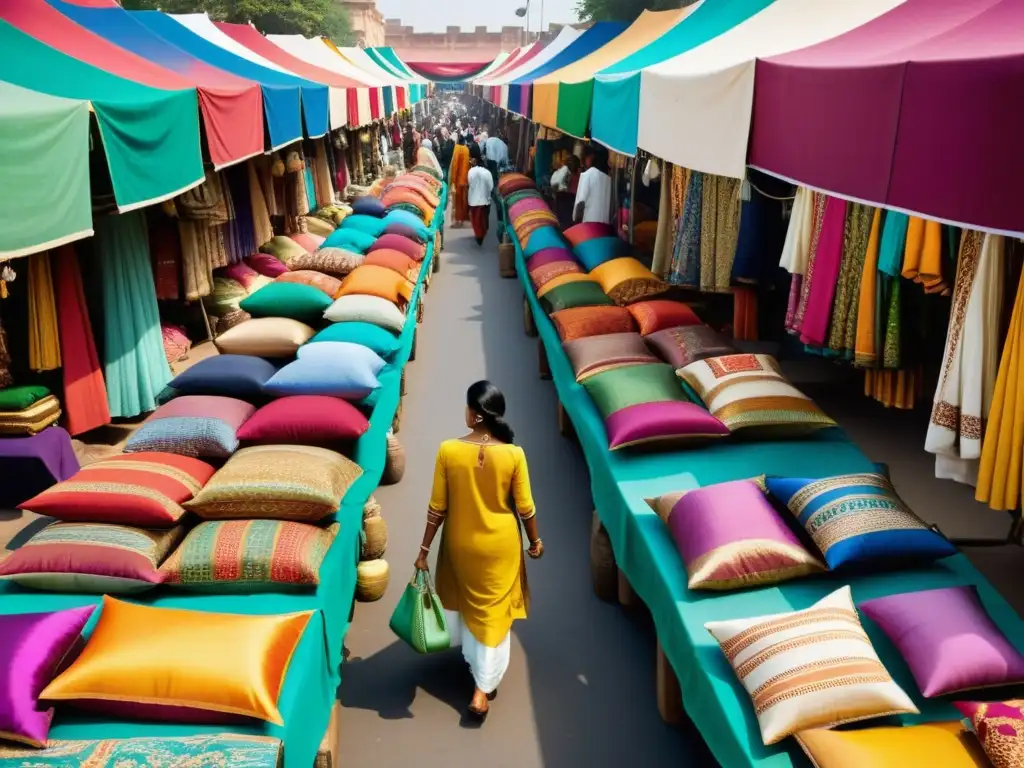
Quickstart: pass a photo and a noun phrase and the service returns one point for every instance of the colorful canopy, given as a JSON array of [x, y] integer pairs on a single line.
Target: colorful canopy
[[150, 137], [566, 37], [44, 162], [913, 110], [389, 63], [695, 108], [562, 99], [462, 70]]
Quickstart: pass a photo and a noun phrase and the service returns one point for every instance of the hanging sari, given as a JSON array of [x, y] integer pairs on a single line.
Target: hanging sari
[[43, 339], [263, 230], [800, 306], [719, 231], [865, 352], [823, 273], [686, 258], [663, 234], [796, 248], [843, 332]]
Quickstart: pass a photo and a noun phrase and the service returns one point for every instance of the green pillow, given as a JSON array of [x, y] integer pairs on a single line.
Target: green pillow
[[582, 293], [380, 340], [282, 248], [352, 239], [20, 398], [371, 225], [620, 388], [293, 300]]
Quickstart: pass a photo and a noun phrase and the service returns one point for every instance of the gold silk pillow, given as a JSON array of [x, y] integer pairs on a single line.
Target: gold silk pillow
[[626, 280], [947, 744], [171, 657], [265, 337]]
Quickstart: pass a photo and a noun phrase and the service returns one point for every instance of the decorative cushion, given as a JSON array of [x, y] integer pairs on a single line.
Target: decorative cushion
[[367, 309], [305, 420], [244, 274], [594, 253], [231, 319], [367, 206], [568, 277], [814, 668], [414, 190], [308, 241], [343, 351], [514, 182], [859, 520], [618, 388], [328, 284], [661, 314], [381, 341], [284, 249], [415, 233], [594, 354], [267, 264], [20, 398], [143, 489], [199, 436], [999, 726], [544, 274], [581, 322], [317, 226], [410, 248], [749, 392], [240, 670], [627, 280], [687, 344], [371, 225], [396, 261], [528, 221], [236, 375], [369, 280], [32, 646], [331, 261], [947, 639], [249, 556], [948, 744], [246, 751], [225, 296], [31, 420], [518, 208], [581, 294], [523, 194], [265, 337], [282, 482], [545, 237], [410, 220], [589, 230], [665, 421], [730, 537], [91, 557], [549, 256], [348, 377], [287, 299], [349, 239]]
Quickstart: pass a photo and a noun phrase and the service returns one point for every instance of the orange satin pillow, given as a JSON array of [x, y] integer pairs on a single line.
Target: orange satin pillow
[[948, 744], [658, 314], [581, 322], [396, 261], [373, 280], [569, 277], [220, 662]]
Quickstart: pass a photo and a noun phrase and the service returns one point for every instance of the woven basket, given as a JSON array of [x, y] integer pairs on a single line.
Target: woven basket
[[394, 464], [528, 322], [604, 574], [507, 259], [375, 538], [419, 311], [371, 580], [371, 508]]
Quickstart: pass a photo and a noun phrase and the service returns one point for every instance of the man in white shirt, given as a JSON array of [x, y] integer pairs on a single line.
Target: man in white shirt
[[480, 187], [594, 193]]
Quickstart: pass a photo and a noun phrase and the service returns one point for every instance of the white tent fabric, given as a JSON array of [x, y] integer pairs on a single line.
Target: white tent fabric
[[695, 108], [361, 59], [501, 58], [566, 37]]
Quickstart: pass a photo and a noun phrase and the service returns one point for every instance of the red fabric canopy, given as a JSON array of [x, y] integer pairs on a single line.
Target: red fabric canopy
[[914, 110], [232, 108], [446, 70]]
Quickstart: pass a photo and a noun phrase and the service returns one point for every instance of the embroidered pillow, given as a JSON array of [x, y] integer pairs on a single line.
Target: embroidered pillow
[[859, 520], [999, 726], [396, 261], [687, 344], [265, 337], [563, 279], [749, 392], [511, 183], [90, 557], [520, 207], [549, 256], [814, 668], [593, 253], [544, 274], [948, 744], [366, 309], [193, 425], [287, 299], [349, 239], [328, 284], [31, 420], [627, 280], [373, 337], [581, 322], [369, 280], [662, 314], [581, 294], [241, 376], [246, 750], [588, 230], [305, 420], [410, 248], [331, 261], [947, 639], [596, 354]]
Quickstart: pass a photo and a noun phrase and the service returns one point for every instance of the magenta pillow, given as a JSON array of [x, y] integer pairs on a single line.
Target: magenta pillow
[[529, 204], [265, 264], [580, 233], [664, 420], [399, 243], [241, 273], [947, 639], [32, 646], [305, 420], [548, 256], [230, 410]]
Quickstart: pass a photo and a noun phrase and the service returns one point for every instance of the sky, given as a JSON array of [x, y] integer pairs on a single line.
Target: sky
[[435, 15]]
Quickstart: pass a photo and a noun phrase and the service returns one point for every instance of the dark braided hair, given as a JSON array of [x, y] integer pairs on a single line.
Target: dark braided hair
[[487, 402]]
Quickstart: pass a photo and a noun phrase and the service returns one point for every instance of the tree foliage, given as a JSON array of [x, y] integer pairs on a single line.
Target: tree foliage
[[274, 17], [623, 10]]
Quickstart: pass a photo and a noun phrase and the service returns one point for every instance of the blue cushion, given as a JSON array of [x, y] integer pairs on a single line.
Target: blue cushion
[[240, 376], [371, 225], [330, 351], [371, 336], [352, 239], [368, 206], [594, 253], [545, 237], [858, 520], [411, 220], [416, 234], [349, 378], [200, 436]]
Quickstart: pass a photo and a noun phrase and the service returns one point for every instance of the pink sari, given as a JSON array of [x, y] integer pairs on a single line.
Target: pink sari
[[827, 260]]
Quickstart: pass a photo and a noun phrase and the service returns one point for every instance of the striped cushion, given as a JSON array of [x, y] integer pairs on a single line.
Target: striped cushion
[[814, 668]]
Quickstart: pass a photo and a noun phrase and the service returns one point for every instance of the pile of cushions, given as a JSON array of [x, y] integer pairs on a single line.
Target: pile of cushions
[[26, 410]]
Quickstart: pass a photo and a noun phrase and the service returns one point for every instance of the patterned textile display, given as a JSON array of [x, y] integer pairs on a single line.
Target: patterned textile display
[[514, 182], [626, 280], [660, 314], [594, 354], [292, 482], [91, 557], [948, 744], [5, 360], [687, 344], [263, 230], [240, 671], [144, 489], [289, 300], [524, 229], [731, 537], [165, 250], [549, 256], [305, 420], [249, 555], [594, 253], [545, 273], [203, 214], [592, 321], [859, 519], [814, 668], [31, 420], [524, 194], [43, 338], [322, 173], [366, 309], [328, 284], [719, 231], [578, 294], [842, 336], [410, 248], [1000, 729], [225, 297], [749, 392], [241, 230], [231, 319], [516, 209], [685, 263], [241, 376], [176, 343], [206, 437], [338, 262], [265, 337], [218, 749]]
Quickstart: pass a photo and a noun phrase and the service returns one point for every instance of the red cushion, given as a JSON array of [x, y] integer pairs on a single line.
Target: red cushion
[[580, 233], [658, 314], [410, 248], [548, 256], [304, 420]]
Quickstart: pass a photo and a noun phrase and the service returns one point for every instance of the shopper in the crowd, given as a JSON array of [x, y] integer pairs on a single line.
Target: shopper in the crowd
[[564, 184], [594, 193], [459, 183], [481, 185]]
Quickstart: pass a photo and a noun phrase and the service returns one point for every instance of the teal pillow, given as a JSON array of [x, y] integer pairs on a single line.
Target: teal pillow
[[293, 300], [380, 340], [594, 253], [583, 293], [371, 225], [400, 216], [351, 239], [545, 237]]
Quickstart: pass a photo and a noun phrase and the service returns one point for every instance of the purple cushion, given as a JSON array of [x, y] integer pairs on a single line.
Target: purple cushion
[[32, 646], [947, 639], [522, 206], [230, 410], [730, 536], [687, 344], [664, 420], [548, 256]]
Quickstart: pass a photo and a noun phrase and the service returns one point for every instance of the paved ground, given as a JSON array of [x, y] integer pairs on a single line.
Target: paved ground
[[580, 690]]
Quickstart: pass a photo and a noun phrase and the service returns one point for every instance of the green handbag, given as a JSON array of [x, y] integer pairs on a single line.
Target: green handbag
[[419, 618]]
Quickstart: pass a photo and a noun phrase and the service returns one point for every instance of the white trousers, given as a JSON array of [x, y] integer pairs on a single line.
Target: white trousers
[[487, 664]]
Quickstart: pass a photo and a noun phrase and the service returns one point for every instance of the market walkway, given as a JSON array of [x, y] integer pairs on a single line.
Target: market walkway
[[580, 690]]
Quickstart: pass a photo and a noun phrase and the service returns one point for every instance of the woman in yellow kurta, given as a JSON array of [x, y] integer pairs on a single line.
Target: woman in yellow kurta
[[458, 177], [481, 575]]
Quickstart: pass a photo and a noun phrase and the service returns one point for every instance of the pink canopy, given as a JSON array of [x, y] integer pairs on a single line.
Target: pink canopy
[[914, 110]]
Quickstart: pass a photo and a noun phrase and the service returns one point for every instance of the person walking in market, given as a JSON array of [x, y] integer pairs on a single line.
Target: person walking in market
[[458, 174], [481, 185], [481, 571]]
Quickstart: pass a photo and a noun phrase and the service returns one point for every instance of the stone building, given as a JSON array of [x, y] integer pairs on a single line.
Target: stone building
[[453, 44], [367, 22]]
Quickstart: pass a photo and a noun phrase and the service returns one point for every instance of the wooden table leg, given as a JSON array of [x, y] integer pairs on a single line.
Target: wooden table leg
[[670, 695]]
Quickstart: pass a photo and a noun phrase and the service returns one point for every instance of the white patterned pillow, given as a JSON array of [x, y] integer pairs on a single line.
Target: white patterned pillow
[[814, 668]]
